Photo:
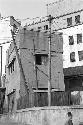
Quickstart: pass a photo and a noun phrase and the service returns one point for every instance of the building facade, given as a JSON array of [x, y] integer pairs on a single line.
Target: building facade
[[69, 21], [6, 24], [33, 51]]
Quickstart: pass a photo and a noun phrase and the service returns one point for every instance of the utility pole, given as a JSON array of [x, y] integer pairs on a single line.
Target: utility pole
[[35, 67], [49, 64]]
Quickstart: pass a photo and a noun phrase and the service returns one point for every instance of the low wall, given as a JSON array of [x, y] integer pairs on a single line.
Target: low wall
[[48, 115]]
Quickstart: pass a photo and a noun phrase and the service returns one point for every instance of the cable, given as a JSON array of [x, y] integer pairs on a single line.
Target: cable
[[32, 18], [5, 42], [4, 17]]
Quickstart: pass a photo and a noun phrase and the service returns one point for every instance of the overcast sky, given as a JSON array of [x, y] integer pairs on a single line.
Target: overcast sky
[[24, 8]]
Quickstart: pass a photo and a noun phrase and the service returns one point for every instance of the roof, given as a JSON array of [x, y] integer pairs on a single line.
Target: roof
[[73, 71]]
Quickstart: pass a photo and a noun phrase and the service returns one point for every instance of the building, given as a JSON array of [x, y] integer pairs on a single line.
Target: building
[[6, 24], [70, 21], [33, 52]]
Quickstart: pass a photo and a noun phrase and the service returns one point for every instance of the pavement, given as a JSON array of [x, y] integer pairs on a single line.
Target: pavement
[[10, 122]]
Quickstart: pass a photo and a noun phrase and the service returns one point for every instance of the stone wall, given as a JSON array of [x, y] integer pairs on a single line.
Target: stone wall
[[48, 115]]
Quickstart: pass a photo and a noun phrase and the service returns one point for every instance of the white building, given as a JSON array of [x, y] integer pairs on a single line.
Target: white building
[[6, 25]]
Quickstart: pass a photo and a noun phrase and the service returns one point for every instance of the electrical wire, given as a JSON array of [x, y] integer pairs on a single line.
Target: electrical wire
[[5, 42], [4, 17]]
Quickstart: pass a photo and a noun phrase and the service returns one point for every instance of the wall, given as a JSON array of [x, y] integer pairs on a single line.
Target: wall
[[48, 115], [5, 35], [60, 24], [41, 47], [72, 48]]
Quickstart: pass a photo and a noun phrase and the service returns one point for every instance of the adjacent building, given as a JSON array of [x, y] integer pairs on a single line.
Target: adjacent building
[[6, 24]]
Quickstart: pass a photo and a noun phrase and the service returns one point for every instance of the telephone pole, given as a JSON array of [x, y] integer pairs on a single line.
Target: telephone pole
[[49, 64]]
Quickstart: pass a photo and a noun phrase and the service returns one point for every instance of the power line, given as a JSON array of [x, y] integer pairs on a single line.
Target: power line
[[4, 17], [32, 18], [5, 42]]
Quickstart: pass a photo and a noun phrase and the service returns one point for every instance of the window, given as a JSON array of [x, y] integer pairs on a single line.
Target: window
[[71, 40], [72, 57], [77, 19], [41, 59], [39, 29], [11, 66], [46, 27], [69, 21], [80, 53], [79, 38], [31, 29]]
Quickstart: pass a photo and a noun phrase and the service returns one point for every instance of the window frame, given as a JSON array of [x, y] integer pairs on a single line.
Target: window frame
[[80, 54], [69, 21], [77, 19], [79, 38], [71, 40], [46, 27], [39, 59], [11, 66], [72, 57]]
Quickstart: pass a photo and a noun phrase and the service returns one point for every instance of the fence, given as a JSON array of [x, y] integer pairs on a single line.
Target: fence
[[40, 99]]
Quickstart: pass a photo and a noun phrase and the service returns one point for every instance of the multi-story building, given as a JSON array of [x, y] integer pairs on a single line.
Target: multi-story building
[[33, 52], [68, 19], [6, 24]]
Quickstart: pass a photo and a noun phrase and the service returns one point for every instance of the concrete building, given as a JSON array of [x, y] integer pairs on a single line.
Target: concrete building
[[33, 50], [69, 21], [6, 24]]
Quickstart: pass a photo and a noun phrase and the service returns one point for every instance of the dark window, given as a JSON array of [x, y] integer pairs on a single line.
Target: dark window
[[79, 38], [11, 66], [46, 27], [41, 59], [69, 21], [80, 53], [72, 57], [31, 30], [15, 26], [71, 40], [39, 28], [77, 19]]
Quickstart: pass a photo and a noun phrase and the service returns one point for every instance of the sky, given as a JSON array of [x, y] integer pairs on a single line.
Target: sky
[[22, 9]]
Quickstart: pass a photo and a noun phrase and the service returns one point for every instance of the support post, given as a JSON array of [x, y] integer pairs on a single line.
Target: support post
[[49, 64]]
